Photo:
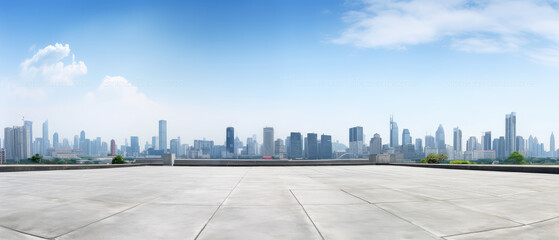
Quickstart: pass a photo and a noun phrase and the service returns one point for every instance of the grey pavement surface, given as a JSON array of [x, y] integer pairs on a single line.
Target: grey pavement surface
[[324, 202]]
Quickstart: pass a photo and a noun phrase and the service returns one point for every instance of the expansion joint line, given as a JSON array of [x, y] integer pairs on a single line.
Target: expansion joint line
[[306, 213]]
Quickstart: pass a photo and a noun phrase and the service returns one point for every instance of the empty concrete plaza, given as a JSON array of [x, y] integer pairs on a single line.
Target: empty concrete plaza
[[326, 202]]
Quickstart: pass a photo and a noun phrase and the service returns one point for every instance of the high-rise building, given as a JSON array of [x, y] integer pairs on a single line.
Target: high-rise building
[[376, 144], [487, 141], [430, 142], [113, 147], [163, 135], [16, 143], [82, 135], [393, 133], [499, 147], [312, 146], [230, 141], [46, 142], [325, 146], [457, 140], [55, 143], [552, 145], [296, 145], [154, 143], [76, 142], [418, 145], [510, 133], [520, 145], [135, 145], [268, 142], [406, 137], [2, 155], [29, 126], [439, 138], [279, 148], [356, 140], [471, 144]]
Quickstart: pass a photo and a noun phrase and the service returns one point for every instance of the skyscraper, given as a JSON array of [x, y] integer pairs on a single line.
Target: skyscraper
[[55, 142], [487, 141], [356, 140], [393, 133], [230, 140], [76, 142], [439, 138], [29, 126], [376, 144], [135, 145], [268, 142], [163, 135], [154, 143], [406, 137], [325, 146], [46, 142], [418, 145], [552, 145], [430, 141], [16, 143], [510, 133], [113, 147], [520, 145], [279, 148], [312, 146], [295, 145], [457, 143], [471, 144]]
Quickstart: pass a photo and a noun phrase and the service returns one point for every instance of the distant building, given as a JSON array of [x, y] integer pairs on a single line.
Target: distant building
[[46, 142], [113, 147], [472, 144], [296, 146], [406, 137], [552, 145], [499, 147], [2, 156], [487, 141], [29, 126], [312, 146], [393, 133], [356, 140], [163, 135], [155, 143], [279, 148], [325, 146], [510, 133], [419, 146], [268, 142], [430, 142], [16, 141], [520, 145], [376, 144], [440, 139], [55, 143], [457, 140], [230, 141]]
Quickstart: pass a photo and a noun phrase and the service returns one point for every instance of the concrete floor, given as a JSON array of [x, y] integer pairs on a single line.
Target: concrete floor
[[336, 202]]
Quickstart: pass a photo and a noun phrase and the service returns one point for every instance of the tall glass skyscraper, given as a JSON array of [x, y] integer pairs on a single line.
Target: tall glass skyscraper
[[230, 140], [295, 145], [325, 146], [510, 133], [356, 140], [439, 138], [457, 140], [406, 137], [46, 142], [163, 135], [393, 133], [487, 141], [268, 142]]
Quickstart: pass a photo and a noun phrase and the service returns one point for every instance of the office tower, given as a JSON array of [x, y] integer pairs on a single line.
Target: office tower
[[82, 135], [154, 143], [179, 147], [510, 133], [268, 142], [376, 144], [457, 140], [237, 144], [174, 146], [418, 145], [439, 138], [2, 155], [279, 148], [113, 147], [325, 146], [29, 126], [406, 137], [487, 141], [312, 146], [55, 143], [135, 145], [251, 147], [499, 147], [552, 145], [296, 146], [163, 135], [82, 141], [76, 142], [46, 142], [230, 141], [520, 145], [356, 140], [393, 133], [65, 143], [16, 143], [430, 142], [288, 145], [471, 144]]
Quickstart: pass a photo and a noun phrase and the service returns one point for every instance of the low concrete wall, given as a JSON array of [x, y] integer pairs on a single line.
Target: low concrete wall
[[50, 167], [553, 169], [258, 162]]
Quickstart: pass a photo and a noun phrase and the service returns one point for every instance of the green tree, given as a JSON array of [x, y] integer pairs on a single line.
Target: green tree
[[516, 158], [118, 160], [434, 158], [36, 158]]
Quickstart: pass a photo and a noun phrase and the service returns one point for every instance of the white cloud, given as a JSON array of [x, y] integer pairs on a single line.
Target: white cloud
[[48, 63], [119, 92], [13, 92], [547, 56], [469, 25]]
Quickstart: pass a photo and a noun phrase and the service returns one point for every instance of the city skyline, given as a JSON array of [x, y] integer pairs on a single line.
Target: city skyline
[[115, 68]]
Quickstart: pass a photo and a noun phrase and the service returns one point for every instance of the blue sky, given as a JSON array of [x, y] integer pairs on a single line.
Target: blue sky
[[308, 66]]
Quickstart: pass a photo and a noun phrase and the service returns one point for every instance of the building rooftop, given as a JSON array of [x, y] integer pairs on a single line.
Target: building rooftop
[[323, 202]]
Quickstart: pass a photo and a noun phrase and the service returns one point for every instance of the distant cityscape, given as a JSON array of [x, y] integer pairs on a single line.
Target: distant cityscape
[[19, 144]]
